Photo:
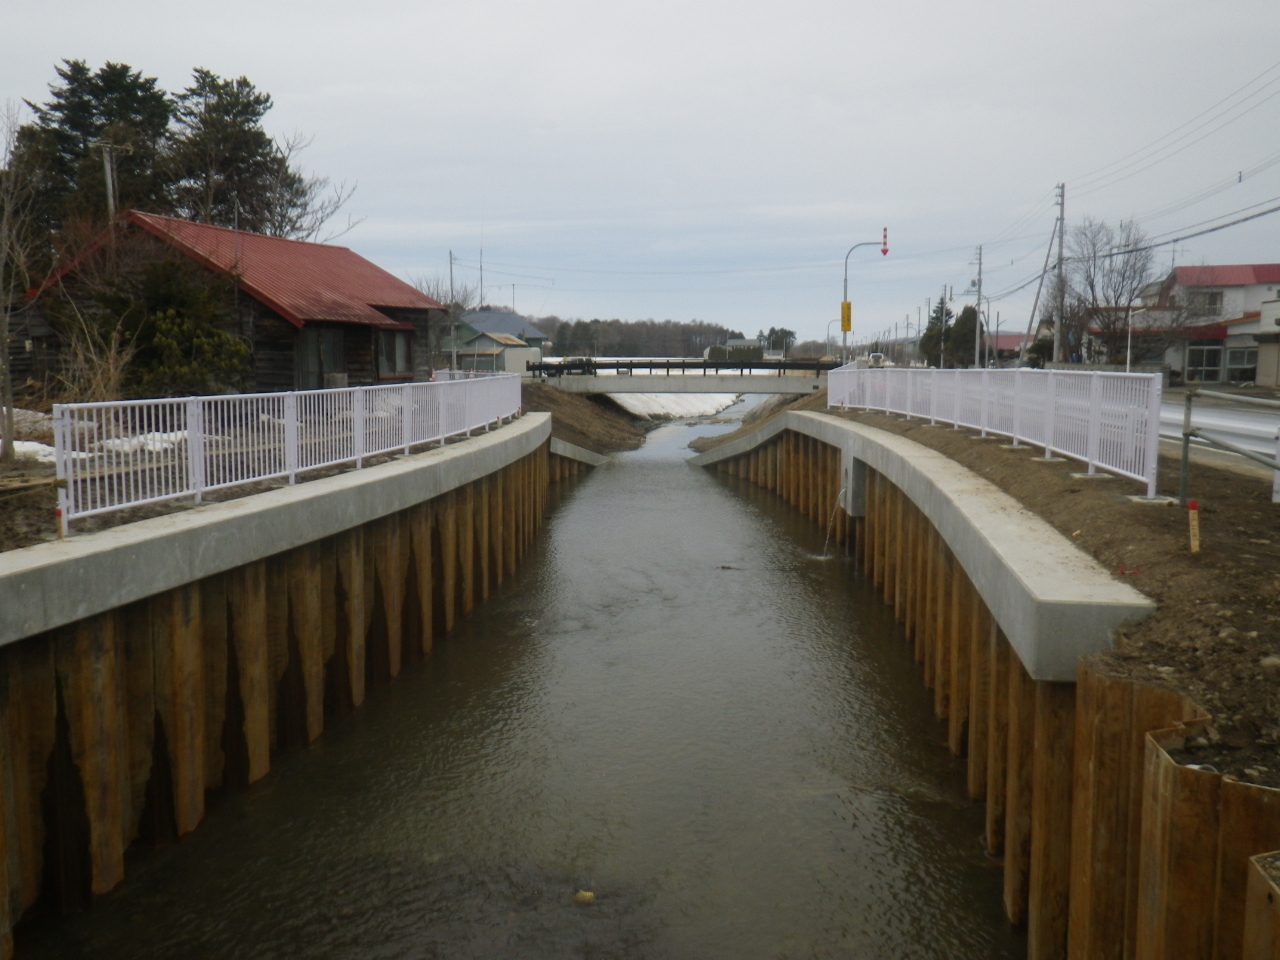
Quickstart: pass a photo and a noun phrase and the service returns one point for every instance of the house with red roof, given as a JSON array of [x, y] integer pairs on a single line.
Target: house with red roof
[[314, 315], [1219, 322]]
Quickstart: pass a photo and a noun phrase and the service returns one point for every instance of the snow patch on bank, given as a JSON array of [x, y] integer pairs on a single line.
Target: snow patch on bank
[[673, 406], [30, 450]]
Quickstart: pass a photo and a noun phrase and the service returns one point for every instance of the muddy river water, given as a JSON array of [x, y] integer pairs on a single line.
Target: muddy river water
[[677, 704]]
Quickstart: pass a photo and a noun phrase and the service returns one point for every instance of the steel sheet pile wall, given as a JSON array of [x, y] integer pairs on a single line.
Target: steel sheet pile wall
[[114, 727], [1110, 849]]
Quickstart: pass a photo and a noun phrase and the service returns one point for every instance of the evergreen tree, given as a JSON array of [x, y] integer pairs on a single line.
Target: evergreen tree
[[220, 155], [932, 341], [115, 104]]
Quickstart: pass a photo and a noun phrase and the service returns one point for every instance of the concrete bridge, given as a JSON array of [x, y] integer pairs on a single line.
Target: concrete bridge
[[690, 383], [587, 375]]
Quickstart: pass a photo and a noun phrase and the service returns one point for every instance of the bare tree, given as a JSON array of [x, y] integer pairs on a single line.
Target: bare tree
[[17, 245], [299, 207], [457, 298], [1108, 270]]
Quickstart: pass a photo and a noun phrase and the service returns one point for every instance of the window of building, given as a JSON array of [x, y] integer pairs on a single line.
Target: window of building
[[1242, 363], [394, 354], [320, 357], [1204, 364], [1205, 303]]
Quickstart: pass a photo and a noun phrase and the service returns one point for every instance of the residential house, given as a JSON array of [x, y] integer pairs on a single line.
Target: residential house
[[496, 340], [1210, 321], [314, 315]]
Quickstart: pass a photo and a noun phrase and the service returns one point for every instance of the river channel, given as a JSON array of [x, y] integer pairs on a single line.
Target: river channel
[[676, 704]]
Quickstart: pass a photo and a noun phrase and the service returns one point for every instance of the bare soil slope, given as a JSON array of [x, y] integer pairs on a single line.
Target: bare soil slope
[[598, 425]]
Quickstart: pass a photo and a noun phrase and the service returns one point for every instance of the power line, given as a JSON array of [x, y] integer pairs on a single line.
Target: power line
[[1158, 160], [1239, 177], [1022, 285], [1105, 171]]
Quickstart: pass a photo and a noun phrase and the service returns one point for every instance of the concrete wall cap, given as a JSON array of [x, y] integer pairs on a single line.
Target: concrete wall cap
[[53, 584]]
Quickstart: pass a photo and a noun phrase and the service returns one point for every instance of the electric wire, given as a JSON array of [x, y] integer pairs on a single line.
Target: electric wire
[[1143, 153]]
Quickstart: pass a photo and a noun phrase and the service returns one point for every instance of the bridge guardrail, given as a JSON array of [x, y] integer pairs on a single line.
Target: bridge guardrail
[[590, 366], [127, 453], [1105, 420]]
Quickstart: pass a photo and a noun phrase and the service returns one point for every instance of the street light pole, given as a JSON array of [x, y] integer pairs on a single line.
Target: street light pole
[[846, 310]]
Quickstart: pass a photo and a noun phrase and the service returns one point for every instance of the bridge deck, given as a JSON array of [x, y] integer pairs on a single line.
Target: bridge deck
[[745, 382]]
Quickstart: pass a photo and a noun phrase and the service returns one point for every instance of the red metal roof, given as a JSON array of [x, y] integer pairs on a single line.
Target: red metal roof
[[303, 282], [1237, 276], [1009, 341]]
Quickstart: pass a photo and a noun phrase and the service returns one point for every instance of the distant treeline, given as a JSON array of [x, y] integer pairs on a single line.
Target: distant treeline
[[632, 338]]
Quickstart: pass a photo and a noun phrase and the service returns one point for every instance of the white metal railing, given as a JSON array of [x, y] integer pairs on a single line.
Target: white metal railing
[[1106, 420], [123, 454]]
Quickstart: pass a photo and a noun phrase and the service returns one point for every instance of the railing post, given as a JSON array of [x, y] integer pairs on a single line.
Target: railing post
[[1275, 477], [1049, 412], [933, 397], [986, 387], [357, 426], [1094, 436], [1155, 397], [406, 416], [195, 446], [291, 435], [1017, 404], [61, 458]]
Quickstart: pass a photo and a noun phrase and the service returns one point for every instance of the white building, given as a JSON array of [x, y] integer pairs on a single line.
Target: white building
[[1226, 318]]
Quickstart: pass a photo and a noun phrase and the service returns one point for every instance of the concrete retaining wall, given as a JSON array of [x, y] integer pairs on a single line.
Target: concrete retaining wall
[[1052, 601], [147, 664], [53, 584]]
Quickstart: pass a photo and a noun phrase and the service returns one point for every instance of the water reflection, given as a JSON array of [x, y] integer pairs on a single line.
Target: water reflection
[[675, 704]]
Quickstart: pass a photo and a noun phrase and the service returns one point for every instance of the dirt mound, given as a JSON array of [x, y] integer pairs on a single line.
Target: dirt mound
[[594, 423]]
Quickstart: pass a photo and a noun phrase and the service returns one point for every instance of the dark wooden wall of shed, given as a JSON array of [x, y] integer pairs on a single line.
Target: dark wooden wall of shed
[[45, 362], [272, 339], [362, 360]]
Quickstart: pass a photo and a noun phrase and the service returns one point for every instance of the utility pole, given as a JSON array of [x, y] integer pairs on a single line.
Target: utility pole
[[1062, 285], [942, 341], [109, 152], [453, 314], [977, 326]]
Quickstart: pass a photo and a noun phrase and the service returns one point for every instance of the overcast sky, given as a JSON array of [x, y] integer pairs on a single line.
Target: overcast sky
[[715, 160]]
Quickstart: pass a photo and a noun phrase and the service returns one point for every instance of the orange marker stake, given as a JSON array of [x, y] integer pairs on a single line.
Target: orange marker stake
[[1193, 516]]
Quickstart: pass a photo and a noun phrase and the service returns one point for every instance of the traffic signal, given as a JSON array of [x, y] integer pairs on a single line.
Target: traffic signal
[[846, 316]]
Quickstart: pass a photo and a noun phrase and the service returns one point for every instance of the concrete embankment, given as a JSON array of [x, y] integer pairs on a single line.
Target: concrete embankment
[[149, 663], [1110, 847]]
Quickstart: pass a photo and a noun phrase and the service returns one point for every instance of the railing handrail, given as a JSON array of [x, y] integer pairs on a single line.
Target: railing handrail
[[116, 454], [1110, 421]]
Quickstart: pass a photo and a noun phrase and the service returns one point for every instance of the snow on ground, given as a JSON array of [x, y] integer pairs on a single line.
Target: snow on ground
[[673, 405], [30, 450]]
